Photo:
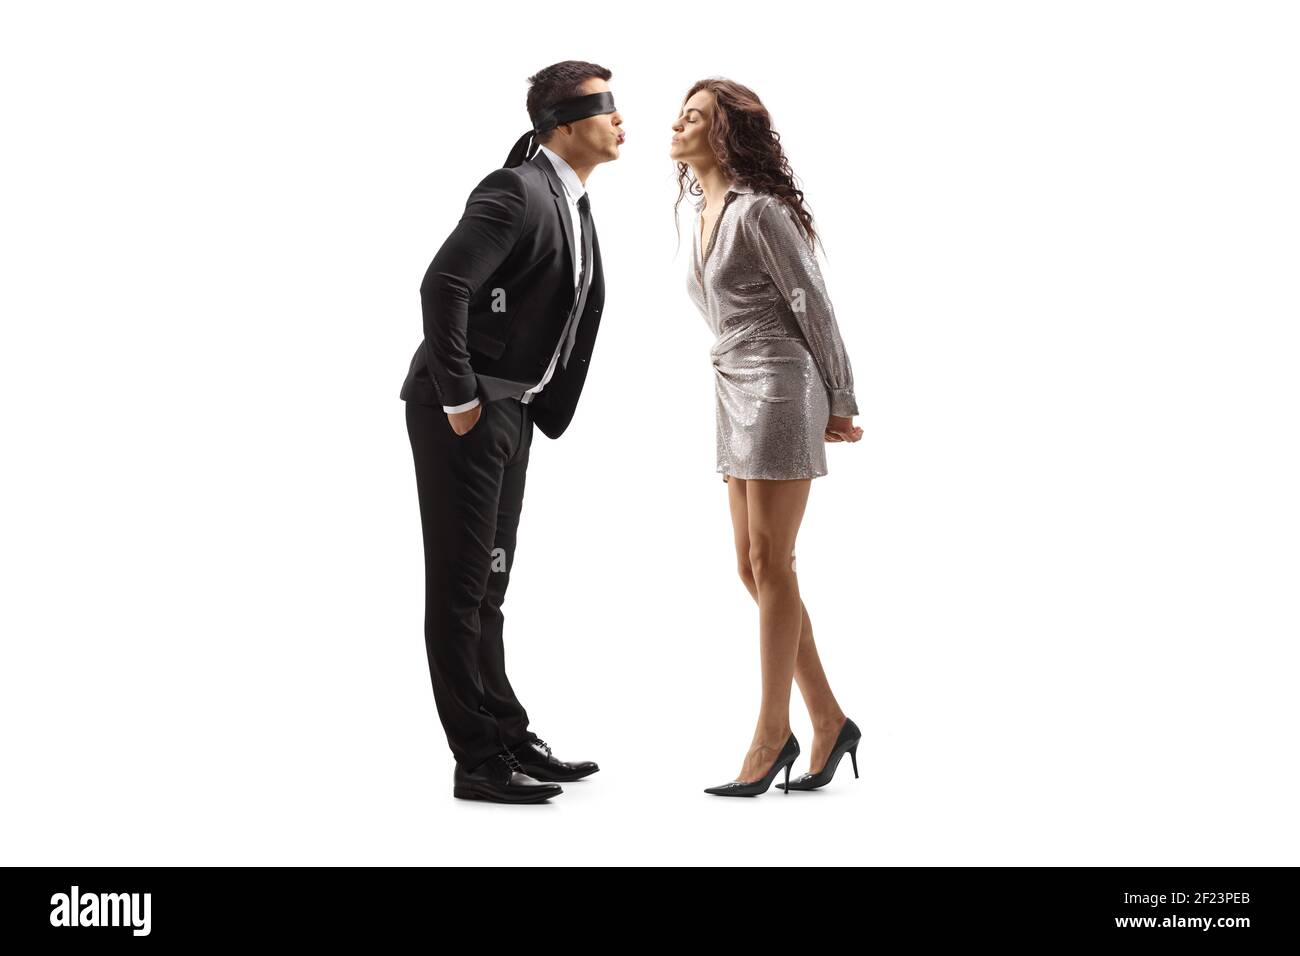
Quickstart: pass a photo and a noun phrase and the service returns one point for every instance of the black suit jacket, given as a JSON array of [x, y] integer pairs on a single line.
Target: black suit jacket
[[496, 298]]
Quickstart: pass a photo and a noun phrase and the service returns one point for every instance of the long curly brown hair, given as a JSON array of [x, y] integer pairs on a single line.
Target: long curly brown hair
[[748, 150]]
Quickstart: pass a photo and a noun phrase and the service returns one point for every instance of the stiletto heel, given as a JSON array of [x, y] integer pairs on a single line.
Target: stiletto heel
[[737, 789], [787, 780], [846, 742]]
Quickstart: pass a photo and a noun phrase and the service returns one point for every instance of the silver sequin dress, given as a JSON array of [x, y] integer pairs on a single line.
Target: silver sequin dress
[[780, 367]]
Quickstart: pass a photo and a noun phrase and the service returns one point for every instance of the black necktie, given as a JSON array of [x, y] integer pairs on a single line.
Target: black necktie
[[580, 298]]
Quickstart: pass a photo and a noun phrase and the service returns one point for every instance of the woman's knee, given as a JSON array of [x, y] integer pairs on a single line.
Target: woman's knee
[[746, 571], [766, 565]]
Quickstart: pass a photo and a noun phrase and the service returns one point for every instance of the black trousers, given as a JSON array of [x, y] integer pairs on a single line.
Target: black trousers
[[471, 490]]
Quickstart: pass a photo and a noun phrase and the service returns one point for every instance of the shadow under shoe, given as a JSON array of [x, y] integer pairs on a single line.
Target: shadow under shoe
[[500, 779], [845, 743], [737, 789], [538, 762]]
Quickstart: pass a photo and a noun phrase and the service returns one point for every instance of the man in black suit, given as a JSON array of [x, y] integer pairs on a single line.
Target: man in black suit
[[511, 307]]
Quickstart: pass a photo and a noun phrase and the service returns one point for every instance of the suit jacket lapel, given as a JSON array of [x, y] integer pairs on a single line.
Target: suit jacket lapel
[[561, 206]]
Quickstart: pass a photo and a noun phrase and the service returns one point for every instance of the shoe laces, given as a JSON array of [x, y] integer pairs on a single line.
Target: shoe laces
[[511, 761], [538, 741]]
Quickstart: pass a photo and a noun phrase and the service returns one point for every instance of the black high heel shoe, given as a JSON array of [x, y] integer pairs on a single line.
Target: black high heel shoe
[[846, 742], [737, 789]]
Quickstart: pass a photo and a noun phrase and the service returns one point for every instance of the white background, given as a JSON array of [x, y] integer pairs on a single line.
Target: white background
[[1055, 583]]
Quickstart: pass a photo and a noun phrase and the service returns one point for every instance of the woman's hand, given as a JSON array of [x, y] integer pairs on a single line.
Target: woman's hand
[[840, 428], [463, 422]]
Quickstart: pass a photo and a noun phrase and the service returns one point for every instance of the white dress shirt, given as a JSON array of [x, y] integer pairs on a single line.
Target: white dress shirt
[[573, 191]]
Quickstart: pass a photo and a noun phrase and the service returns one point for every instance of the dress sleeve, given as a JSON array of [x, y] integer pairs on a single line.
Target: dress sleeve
[[785, 256]]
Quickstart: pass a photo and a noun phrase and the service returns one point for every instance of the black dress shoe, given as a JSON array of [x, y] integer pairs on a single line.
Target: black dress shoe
[[500, 779], [538, 762], [737, 789], [845, 743]]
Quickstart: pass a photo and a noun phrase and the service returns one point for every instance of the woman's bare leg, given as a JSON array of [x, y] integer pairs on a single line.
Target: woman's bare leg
[[773, 510], [823, 709]]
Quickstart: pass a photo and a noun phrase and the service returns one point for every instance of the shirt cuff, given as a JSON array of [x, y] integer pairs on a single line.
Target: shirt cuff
[[454, 409]]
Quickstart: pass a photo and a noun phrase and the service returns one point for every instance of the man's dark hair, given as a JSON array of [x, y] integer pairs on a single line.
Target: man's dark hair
[[559, 82]]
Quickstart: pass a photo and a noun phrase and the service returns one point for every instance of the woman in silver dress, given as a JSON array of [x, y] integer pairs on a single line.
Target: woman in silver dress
[[784, 389]]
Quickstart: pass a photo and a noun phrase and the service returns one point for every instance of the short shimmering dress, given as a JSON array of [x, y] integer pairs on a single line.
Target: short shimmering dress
[[780, 367]]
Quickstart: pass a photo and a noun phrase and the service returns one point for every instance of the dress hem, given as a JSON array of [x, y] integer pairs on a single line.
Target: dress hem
[[816, 474]]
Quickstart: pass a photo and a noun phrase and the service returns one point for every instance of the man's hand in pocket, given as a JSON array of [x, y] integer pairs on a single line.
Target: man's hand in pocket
[[462, 422]]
